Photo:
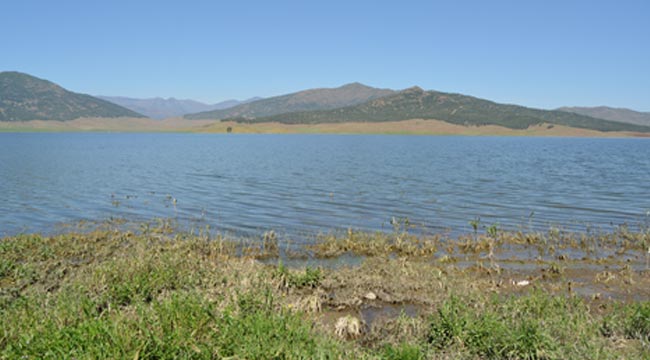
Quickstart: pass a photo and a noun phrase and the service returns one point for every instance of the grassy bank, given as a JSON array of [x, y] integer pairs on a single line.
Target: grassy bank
[[158, 294]]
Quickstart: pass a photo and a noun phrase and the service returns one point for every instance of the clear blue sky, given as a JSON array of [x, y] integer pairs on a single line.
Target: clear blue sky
[[535, 53]]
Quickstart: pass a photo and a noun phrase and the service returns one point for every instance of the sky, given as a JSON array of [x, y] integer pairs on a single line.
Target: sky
[[541, 54]]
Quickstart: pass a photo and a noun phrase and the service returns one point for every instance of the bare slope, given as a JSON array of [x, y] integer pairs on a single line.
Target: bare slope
[[408, 127]]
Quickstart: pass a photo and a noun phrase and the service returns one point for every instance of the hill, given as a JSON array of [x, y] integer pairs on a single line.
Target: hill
[[612, 114], [24, 97], [307, 100], [160, 108], [415, 103]]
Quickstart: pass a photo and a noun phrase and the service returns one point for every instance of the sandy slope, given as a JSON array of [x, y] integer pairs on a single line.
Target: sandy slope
[[415, 127]]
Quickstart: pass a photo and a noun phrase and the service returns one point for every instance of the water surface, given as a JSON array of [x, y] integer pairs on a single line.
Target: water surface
[[305, 184]]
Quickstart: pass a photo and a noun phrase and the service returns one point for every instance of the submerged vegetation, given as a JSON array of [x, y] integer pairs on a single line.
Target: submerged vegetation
[[158, 293]]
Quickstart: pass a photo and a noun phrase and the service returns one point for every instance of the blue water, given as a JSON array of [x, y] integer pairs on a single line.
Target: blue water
[[305, 184]]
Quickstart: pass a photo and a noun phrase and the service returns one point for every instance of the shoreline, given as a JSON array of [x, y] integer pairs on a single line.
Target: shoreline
[[157, 293], [406, 127]]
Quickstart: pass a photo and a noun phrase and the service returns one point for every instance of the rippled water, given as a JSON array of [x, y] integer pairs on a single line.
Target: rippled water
[[301, 184]]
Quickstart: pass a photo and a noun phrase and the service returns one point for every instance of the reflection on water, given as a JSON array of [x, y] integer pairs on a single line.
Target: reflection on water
[[304, 184]]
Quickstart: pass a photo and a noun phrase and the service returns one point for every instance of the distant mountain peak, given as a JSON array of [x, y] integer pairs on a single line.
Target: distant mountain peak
[[162, 108], [355, 85], [306, 100], [413, 89]]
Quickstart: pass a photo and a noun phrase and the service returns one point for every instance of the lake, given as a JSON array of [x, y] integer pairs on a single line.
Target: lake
[[306, 184]]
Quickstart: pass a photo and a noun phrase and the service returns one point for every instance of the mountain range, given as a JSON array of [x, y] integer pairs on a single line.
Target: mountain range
[[415, 103], [160, 108], [25, 97], [307, 100], [612, 114]]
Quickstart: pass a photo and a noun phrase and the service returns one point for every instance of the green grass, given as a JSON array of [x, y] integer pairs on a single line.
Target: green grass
[[497, 333], [310, 278], [403, 351], [182, 326], [161, 295]]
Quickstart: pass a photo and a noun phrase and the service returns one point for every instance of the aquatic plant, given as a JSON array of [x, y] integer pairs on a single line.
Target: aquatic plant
[[492, 230], [475, 225]]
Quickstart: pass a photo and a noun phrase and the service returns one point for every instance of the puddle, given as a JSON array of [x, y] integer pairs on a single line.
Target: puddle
[[371, 313]]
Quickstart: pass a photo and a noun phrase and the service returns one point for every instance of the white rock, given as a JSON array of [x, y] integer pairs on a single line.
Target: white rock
[[522, 283], [370, 296]]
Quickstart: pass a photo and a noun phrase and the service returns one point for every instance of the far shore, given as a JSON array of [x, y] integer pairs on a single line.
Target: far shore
[[406, 127]]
